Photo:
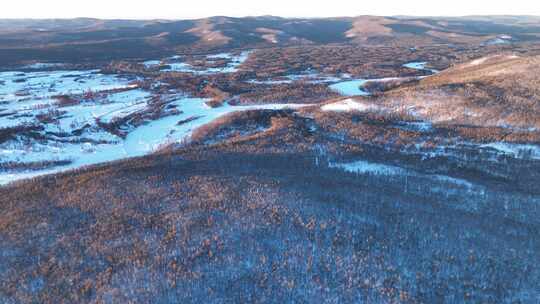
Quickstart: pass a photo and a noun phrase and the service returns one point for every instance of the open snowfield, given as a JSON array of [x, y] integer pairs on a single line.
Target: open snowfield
[[56, 121]]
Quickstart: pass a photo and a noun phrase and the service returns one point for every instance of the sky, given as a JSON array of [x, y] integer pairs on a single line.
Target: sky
[[191, 9]]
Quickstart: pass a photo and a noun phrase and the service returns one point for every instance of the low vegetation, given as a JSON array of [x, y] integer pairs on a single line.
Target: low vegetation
[[423, 191]]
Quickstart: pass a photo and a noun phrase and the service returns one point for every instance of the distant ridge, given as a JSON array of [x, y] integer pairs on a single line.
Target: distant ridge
[[63, 39]]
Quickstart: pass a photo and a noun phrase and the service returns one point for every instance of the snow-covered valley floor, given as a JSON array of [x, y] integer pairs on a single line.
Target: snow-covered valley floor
[[61, 120], [52, 121]]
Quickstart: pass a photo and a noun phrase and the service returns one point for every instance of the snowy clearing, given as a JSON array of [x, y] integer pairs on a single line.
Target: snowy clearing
[[349, 105]]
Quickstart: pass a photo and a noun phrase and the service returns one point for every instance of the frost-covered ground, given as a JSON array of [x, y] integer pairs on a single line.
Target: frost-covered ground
[[456, 149], [367, 167], [177, 64], [60, 120]]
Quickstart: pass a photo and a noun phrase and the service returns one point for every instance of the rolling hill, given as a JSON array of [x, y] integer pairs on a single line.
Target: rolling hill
[[270, 160], [92, 39]]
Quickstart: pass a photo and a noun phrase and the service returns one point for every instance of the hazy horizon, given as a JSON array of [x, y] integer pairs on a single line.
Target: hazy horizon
[[260, 16], [161, 9]]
